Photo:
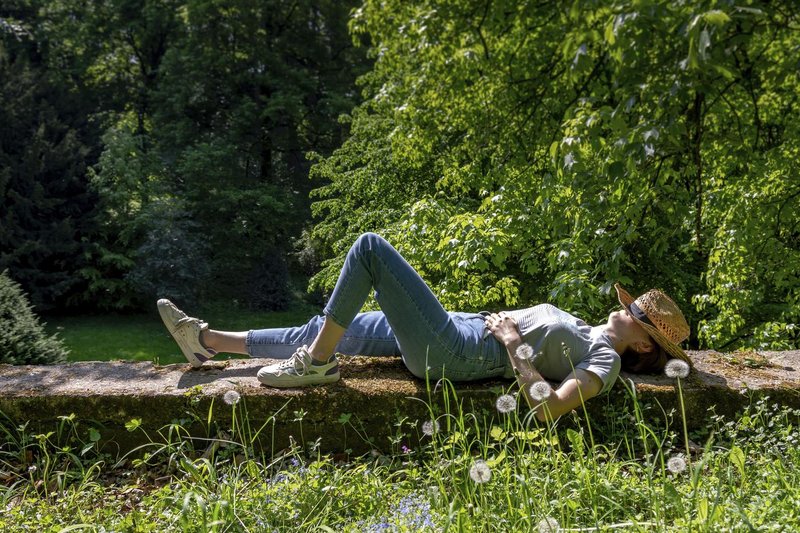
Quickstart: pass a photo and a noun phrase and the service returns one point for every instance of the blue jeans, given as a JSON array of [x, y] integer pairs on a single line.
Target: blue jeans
[[412, 323]]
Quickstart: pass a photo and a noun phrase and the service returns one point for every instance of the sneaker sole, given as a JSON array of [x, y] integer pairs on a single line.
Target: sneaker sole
[[287, 383], [195, 359]]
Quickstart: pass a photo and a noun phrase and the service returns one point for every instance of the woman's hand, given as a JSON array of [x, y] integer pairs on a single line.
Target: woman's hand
[[503, 327]]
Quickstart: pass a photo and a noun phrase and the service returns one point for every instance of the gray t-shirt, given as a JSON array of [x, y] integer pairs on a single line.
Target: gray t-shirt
[[564, 342]]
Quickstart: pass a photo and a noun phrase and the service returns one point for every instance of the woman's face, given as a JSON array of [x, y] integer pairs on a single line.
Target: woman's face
[[627, 328]]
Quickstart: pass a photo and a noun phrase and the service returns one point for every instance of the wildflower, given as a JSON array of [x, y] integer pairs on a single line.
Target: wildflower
[[32, 469], [480, 472], [429, 427], [231, 397], [405, 449], [676, 464], [565, 350], [540, 391], [676, 368], [411, 513], [524, 351], [506, 403], [548, 525]]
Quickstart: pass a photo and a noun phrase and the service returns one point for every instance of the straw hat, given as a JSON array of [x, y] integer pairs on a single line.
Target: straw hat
[[660, 317]]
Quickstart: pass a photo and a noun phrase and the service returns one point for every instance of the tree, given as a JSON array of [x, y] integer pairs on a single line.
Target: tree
[[246, 92], [566, 147], [44, 218], [207, 104]]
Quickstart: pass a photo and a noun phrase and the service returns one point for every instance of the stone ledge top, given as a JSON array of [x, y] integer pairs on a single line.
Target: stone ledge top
[[365, 375]]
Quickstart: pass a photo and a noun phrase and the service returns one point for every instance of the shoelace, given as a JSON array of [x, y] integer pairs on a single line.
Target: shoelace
[[187, 320], [297, 362]]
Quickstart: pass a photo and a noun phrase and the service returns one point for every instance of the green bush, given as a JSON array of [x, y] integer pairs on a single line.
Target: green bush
[[171, 262], [22, 336], [268, 289]]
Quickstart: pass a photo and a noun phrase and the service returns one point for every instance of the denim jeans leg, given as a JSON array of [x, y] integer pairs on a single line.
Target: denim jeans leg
[[429, 338], [368, 334]]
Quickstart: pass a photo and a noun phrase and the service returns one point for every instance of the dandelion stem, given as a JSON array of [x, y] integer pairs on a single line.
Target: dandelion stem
[[683, 420]]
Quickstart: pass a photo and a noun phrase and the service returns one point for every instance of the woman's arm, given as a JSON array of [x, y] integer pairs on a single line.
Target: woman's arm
[[570, 394]]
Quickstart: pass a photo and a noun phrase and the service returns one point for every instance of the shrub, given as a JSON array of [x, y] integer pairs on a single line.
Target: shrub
[[268, 289], [171, 262], [22, 336]]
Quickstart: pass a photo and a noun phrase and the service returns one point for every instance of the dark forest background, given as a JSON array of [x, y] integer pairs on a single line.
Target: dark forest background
[[515, 152]]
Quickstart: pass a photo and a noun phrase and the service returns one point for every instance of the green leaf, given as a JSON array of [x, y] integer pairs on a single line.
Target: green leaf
[[576, 440], [497, 433], [609, 34], [716, 17], [737, 458], [494, 461]]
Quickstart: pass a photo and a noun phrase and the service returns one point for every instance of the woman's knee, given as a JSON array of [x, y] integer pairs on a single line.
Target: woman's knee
[[369, 241]]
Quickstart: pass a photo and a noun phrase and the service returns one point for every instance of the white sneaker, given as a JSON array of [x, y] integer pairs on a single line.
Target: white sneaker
[[186, 332], [300, 370]]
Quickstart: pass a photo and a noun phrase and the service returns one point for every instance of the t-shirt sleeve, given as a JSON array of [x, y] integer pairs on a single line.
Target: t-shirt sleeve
[[605, 364]]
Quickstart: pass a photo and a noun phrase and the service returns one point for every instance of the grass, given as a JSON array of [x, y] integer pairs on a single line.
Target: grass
[[471, 471], [501, 471], [142, 337]]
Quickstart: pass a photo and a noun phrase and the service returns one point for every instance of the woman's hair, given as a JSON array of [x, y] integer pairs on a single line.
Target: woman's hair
[[652, 362]]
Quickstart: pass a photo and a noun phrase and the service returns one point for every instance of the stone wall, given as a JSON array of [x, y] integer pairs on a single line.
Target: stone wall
[[373, 396]]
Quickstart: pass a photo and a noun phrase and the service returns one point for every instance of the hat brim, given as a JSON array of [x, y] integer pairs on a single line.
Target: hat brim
[[670, 347]]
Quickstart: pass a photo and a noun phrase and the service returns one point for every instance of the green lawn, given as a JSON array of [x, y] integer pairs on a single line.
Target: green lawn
[[142, 337]]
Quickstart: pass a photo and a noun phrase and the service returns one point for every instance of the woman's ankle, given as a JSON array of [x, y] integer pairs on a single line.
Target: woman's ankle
[[319, 355], [207, 340]]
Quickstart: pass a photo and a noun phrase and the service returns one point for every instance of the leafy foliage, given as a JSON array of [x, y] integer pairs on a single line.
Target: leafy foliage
[[514, 151], [172, 262], [544, 151], [268, 289], [210, 104], [22, 337], [45, 202]]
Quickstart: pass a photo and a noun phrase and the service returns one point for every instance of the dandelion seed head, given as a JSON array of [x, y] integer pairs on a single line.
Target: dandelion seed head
[[429, 427], [565, 350], [231, 397], [676, 464], [540, 391], [506, 403], [480, 472], [524, 351], [548, 525], [676, 368]]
